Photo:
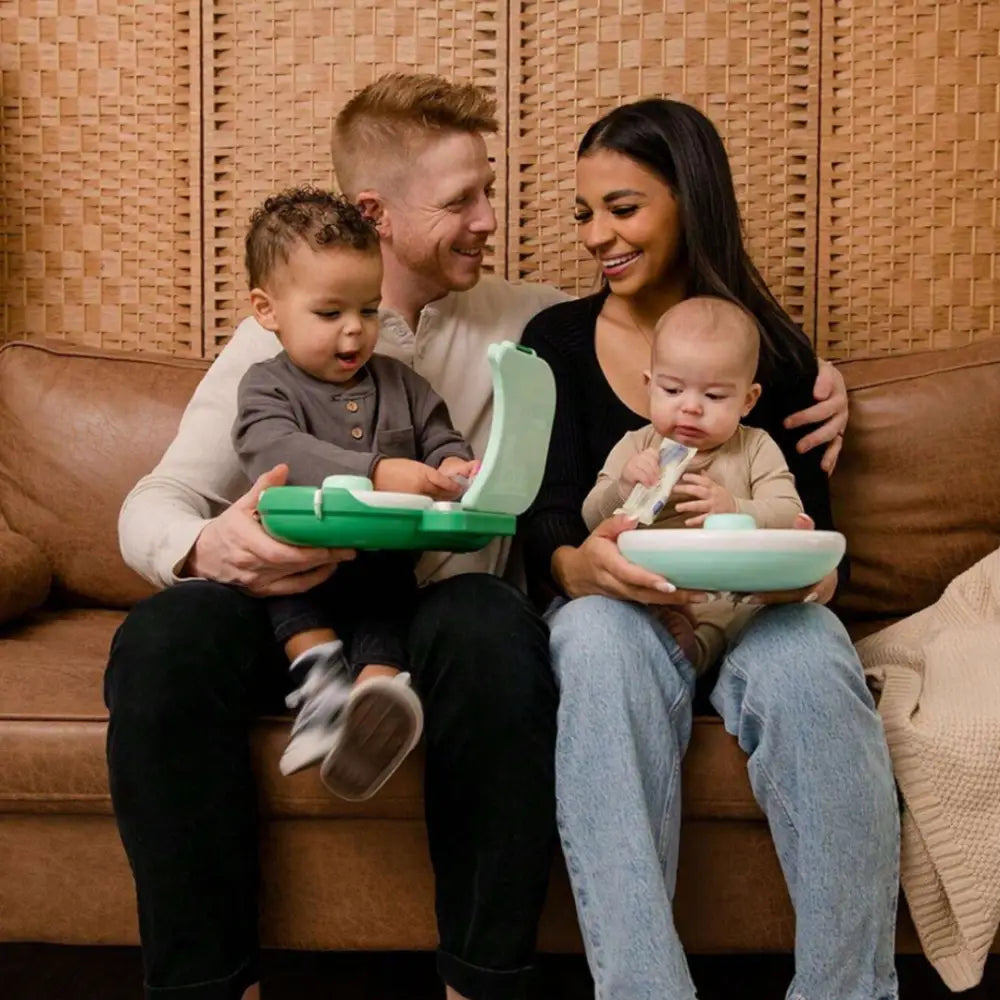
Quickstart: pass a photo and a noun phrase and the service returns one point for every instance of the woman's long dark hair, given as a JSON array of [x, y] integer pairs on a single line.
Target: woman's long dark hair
[[679, 144]]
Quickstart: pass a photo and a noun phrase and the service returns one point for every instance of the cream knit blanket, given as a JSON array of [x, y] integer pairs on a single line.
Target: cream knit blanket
[[939, 673]]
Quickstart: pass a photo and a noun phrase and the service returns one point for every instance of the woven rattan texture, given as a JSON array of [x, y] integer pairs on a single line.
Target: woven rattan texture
[[909, 196], [277, 71], [753, 68], [99, 173]]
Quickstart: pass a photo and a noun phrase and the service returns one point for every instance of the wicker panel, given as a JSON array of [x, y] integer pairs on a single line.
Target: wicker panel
[[753, 68], [909, 198], [275, 74], [99, 173]]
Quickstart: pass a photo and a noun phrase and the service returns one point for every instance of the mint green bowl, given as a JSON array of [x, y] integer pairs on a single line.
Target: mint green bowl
[[731, 554]]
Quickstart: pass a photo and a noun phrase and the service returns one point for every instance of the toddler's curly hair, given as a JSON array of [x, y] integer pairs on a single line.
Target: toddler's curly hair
[[305, 214]]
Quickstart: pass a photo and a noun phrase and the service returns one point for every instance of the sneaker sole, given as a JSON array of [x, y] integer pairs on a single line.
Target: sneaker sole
[[382, 724]]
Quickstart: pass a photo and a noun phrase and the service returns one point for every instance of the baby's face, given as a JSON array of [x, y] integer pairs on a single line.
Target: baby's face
[[699, 387], [324, 309]]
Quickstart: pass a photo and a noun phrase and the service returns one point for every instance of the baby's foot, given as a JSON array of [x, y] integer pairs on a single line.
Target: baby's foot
[[320, 699], [680, 626], [381, 725]]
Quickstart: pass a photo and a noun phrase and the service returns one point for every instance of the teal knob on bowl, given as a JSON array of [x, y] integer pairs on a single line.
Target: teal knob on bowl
[[730, 522], [347, 483]]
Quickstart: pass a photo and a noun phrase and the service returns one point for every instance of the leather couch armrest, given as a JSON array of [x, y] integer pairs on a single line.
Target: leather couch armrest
[[24, 575]]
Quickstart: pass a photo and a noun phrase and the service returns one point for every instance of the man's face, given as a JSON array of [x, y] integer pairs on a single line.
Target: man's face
[[441, 217]]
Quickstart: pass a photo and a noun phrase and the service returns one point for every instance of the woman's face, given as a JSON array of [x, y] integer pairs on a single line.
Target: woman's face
[[629, 221]]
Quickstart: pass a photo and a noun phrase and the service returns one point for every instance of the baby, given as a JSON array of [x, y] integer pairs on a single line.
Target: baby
[[326, 405], [701, 384]]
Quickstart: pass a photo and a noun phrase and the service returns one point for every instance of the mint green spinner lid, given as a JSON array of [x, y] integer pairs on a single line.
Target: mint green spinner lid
[[524, 403]]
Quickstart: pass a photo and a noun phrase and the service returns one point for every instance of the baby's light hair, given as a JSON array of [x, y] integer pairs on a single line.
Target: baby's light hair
[[711, 314], [380, 123]]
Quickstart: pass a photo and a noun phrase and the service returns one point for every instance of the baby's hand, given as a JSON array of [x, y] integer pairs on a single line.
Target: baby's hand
[[459, 470], [404, 475], [642, 468], [711, 498]]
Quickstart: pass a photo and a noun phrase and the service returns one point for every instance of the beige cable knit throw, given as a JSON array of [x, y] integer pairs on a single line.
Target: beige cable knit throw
[[939, 673]]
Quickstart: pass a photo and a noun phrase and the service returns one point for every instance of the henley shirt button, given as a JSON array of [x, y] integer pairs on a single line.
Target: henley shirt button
[[357, 433], [352, 407]]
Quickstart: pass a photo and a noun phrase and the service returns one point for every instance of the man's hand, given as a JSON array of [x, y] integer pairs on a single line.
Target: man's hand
[[643, 467], [597, 567], [233, 548], [404, 475], [710, 498], [830, 412]]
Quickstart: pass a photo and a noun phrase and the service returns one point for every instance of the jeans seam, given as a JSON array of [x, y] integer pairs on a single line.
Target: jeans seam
[[765, 775], [597, 967], [672, 788]]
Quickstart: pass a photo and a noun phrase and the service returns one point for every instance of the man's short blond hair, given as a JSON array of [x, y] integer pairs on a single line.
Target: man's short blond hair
[[380, 125]]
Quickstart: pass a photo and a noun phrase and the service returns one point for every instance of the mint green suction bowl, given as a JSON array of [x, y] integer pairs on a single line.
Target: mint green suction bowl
[[731, 554]]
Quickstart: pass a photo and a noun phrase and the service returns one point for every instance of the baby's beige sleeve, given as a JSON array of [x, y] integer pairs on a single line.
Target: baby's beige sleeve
[[606, 496], [774, 500]]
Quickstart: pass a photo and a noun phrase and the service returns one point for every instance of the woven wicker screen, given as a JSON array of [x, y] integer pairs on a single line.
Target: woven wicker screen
[[752, 68], [910, 188], [276, 73], [99, 174], [137, 138]]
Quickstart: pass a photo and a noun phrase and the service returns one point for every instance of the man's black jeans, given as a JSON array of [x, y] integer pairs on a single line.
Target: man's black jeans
[[193, 666]]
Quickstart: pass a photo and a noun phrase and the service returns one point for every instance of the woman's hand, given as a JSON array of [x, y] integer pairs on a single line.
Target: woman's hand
[[597, 567], [830, 412], [710, 498], [821, 592]]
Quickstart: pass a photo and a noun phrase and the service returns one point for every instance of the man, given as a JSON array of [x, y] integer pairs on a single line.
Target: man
[[192, 667]]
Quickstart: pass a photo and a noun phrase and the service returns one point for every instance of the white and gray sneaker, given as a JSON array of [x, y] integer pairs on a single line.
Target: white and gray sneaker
[[380, 725], [320, 699]]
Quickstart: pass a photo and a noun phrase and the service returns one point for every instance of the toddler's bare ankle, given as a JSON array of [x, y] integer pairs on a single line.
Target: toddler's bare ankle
[[373, 670]]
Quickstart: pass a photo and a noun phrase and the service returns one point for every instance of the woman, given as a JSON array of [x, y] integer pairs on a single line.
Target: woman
[[657, 210]]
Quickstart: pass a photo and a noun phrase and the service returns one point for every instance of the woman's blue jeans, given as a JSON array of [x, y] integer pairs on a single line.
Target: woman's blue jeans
[[792, 691]]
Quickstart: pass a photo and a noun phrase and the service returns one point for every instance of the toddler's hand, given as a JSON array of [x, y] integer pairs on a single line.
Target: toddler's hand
[[455, 467], [642, 468], [404, 475], [711, 498]]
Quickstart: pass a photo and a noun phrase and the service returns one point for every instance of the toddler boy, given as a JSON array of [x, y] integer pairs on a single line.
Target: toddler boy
[[327, 405]]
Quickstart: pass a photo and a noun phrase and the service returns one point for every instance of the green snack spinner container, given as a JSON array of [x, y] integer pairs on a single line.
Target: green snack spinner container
[[346, 512]]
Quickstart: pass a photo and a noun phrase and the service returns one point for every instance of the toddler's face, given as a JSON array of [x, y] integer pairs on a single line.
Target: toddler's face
[[699, 387], [323, 305]]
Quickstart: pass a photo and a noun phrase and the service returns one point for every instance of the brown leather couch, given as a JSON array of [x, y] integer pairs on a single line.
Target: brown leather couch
[[916, 492]]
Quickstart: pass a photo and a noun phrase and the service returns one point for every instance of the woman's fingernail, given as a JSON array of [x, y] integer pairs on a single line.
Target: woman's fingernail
[[748, 599], [809, 598], [666, 587]]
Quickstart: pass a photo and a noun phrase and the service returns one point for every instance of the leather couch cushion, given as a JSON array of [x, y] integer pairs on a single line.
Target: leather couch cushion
[[53, 723], [24, 575], [77, 431], [917, 489]]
